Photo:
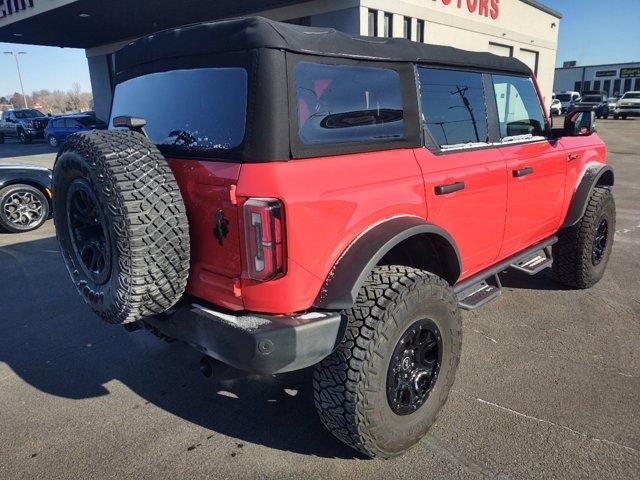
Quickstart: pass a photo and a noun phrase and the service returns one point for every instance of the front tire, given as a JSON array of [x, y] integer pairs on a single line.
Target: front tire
[[23, 208], [383, 387], [582, 252], [53, 141]]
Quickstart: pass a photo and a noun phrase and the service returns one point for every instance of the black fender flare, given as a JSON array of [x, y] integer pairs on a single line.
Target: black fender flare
[[596, 174], [341, 287]]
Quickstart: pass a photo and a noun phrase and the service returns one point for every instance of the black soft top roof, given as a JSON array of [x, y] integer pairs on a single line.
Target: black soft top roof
[[258, 32]]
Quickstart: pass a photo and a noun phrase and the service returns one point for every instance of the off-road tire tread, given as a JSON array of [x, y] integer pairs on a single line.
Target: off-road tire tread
[[149, 218], [572, 253], [340, 380]]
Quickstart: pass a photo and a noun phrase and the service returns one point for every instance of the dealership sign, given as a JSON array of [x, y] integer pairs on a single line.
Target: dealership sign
[[606, 73], [9, 7], [486, 8], [630, 72]]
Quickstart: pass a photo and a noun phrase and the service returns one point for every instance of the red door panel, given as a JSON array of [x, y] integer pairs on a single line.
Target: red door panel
[[536, 179], [475, 215]]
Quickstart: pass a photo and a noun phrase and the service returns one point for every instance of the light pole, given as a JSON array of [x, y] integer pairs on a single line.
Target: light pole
[[15, 55]]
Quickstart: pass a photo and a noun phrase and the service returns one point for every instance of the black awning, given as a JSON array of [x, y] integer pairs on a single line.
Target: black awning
[[92, 23]]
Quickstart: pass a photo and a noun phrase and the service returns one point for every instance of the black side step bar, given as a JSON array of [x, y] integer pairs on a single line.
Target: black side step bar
[[477, 291]]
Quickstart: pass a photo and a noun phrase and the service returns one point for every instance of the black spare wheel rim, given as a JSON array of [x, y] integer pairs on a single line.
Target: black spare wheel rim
[[23, 209], [600, 242], [88, 233], [414, 367]]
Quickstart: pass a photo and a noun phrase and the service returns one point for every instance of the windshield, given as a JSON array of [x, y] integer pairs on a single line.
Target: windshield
[[191, 110], [631, 95], [592, 98], [563, 97], [22, 114]]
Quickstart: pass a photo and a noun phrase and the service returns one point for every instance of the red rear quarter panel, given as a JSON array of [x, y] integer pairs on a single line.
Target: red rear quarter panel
[[329, 202]]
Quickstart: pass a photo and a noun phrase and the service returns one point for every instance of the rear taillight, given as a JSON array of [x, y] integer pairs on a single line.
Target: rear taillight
[[264, 238]]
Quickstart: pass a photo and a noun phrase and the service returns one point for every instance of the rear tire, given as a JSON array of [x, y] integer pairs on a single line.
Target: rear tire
[[360, 390], [53, 141], [582, 252], [24, 137], [121, 224]]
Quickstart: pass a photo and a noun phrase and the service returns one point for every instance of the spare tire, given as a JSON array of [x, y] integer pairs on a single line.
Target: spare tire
[[121, 224]]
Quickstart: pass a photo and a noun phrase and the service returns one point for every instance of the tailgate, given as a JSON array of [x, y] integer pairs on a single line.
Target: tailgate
[[207, 188]]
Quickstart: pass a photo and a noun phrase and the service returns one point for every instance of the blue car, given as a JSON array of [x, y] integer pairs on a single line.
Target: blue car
[[59, 128]]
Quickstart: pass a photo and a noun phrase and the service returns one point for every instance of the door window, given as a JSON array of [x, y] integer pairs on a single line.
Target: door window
[[519, 109], [453, 106], [340, 104]]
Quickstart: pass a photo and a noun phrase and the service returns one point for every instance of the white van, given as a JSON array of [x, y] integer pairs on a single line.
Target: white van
[[566, 98]]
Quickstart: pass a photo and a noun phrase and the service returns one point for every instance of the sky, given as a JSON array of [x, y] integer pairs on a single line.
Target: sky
[[591, 32]]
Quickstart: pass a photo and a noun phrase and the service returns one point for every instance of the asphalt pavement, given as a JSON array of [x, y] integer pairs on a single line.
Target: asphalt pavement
[[548, 385]]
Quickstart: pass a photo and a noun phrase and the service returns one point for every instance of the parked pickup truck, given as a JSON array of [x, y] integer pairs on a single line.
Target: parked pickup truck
[[25, 124]]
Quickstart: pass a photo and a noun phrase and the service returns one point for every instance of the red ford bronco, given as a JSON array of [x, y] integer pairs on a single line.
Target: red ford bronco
[[281, 196]]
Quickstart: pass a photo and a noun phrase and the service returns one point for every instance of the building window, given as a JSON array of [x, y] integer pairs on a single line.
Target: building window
[[616, 87], [586, 86], [530, 58], [607, 87], [637, 87], [340, 104], [596, 85], [502, 50], [577, 86], [627, 85], [420, 31], [407, 28], [453, 106], [388, 25], [373, 22]]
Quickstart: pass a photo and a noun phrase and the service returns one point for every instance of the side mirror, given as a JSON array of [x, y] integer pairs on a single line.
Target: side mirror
[[580, 123]]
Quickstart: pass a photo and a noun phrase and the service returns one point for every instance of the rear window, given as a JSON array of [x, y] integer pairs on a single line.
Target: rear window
[[592, 98], [564, 97], [340, 104], [191, 110]]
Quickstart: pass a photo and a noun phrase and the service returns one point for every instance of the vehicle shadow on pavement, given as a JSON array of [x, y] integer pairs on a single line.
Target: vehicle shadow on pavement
[[52, 341], [521, 281], [13, 149]]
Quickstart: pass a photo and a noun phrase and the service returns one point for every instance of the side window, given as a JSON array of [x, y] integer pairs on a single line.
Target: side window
[[340, 104], [453, 106], [72, 123], [519, 109]]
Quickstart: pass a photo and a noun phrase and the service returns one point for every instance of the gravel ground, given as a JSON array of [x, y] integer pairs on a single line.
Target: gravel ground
[[548, 385]]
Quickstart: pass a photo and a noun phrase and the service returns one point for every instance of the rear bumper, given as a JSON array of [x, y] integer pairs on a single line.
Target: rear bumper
[[255, 343]]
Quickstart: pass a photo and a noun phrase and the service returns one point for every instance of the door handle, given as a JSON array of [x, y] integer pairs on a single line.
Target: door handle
[[522, 172], [572, 156], [450, 188]]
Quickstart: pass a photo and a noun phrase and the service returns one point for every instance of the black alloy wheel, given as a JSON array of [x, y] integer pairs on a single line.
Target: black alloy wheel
[[414, 367], [88, 233], [600, 242]]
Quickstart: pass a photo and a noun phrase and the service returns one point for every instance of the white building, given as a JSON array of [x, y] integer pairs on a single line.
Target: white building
[[522, 28], [614, 79]]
